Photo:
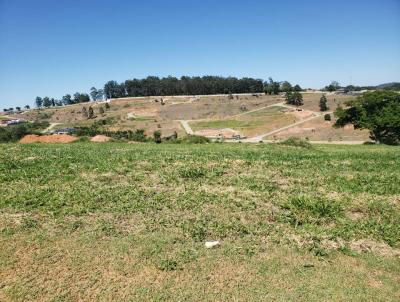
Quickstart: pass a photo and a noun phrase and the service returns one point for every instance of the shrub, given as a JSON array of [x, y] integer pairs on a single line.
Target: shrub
[[168, 264], [296, 142], [195, 139], [157, 136], [327, 117], [315, 210], [16, 132]]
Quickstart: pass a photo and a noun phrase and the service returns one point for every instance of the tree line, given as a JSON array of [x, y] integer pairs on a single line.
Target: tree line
[[185, 85]]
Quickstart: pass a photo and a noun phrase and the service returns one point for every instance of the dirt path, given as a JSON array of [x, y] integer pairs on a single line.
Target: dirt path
[[186, 126], [281, 104], [51, 126], [189, 130], [260, 137]]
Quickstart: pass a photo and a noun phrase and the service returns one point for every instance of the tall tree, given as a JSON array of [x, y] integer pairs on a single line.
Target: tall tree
[[67, 99], [39, 102], [323, 103], [286, 86], [333, 86], [27, 107], [93, 93], [297, 88], [100, 94], [46, 102]]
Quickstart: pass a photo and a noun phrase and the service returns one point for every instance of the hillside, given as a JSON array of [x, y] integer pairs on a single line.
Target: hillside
[[254, 116]]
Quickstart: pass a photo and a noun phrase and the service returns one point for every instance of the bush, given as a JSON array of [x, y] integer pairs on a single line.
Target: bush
[[327, 117], [157, 136], [296, 142], [16, 132], [195, 139]]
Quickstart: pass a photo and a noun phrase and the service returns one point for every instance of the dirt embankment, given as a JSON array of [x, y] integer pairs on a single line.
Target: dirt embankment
[[62, 138]]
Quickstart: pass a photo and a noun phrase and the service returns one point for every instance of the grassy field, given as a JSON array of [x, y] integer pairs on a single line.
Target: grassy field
[[128, 222], [250, 124]]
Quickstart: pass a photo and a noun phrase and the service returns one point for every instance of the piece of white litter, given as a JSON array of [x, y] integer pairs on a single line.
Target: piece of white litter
[[211, 244]]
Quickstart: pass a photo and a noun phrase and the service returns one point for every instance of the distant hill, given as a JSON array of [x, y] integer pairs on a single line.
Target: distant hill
[[389, 86]]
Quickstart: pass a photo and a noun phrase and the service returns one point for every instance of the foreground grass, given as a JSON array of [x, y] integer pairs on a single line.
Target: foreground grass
[[128, 222]]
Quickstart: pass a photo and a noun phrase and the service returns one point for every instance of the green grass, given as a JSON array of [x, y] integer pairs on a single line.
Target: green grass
[[228, 123], [270, 111], [127, 222]]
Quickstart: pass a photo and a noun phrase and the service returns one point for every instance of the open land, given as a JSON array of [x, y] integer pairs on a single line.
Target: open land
[[117, 221]]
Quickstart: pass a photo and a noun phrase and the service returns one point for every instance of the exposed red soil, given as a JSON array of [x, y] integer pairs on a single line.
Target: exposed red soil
[[62, 138]]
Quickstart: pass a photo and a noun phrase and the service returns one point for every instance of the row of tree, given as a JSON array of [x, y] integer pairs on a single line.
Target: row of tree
[[18, 109], [152, 86], [194, 86], [65, 100]]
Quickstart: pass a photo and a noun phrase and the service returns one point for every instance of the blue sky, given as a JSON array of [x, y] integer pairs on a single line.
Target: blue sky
[[50, 48]]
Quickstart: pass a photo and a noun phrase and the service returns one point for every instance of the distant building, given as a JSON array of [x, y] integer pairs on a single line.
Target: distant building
[[14, 122]]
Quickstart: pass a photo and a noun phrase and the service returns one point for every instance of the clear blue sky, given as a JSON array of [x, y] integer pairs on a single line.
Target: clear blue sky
[[53, 47]]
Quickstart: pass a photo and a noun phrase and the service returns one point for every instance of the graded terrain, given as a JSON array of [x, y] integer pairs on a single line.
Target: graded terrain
[[128, 222], [254, 116]]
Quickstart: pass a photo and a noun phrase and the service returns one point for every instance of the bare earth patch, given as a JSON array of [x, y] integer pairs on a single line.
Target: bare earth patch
[[62, 138]]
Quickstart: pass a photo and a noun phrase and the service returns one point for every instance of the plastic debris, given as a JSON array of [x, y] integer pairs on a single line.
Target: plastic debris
[[211, 244]]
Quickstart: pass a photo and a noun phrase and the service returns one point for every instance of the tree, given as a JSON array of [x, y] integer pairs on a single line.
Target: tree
[[39, 102], [93, 93], [288, 97], [286, 86], [271, 87], [107, 106], [5, 110], [114, 90], [91, 112], [333, 86], [323, 103], [53, 102], [297, 98], [18, 108], [157, 136], [81, 98], [377, 111], [27, 107], [84, 112], [100, 94], [294, 98], [67, 99], [297, 88], [46, 102], [101, 110]]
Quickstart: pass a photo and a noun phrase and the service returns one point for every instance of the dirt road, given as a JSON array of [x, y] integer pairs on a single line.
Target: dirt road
[[186, 126], [51, 126]]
